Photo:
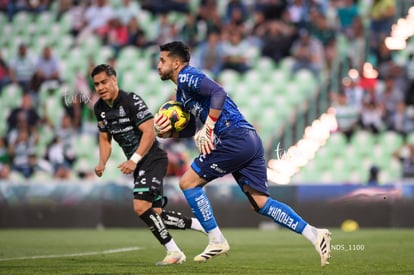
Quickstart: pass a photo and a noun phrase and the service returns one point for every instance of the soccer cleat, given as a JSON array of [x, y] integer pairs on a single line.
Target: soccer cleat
[[213, 249], [323, 245], [173, 257]]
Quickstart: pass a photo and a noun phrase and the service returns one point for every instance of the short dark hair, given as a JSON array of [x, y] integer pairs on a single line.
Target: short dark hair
[[178, 49], [103, 68]]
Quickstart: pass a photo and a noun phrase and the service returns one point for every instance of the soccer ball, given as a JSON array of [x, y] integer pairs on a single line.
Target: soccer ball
[[178, 116]]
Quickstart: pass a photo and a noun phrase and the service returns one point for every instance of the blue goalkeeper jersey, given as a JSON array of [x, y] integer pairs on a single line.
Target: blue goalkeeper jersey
[[188, 92]]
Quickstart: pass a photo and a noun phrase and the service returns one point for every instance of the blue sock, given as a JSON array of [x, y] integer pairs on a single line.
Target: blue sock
[[201, 207], [283, 214]]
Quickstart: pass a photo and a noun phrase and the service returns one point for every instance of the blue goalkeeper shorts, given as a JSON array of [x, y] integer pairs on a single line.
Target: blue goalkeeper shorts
[[239, 151]]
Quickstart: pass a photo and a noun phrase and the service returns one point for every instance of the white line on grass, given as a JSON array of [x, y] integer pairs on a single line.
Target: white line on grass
[[110, 251]]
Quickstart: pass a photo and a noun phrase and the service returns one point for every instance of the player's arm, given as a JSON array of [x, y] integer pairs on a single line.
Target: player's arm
[[142, 118], [217, 96], [204, 138], [148, 137], [145, 144], [105, 148]]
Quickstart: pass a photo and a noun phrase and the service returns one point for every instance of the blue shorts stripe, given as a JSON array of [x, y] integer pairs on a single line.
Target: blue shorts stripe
[[195, 167]]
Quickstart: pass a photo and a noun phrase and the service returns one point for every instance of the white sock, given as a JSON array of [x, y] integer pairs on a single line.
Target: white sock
[[196, 225], [310, 233], [215, 236], [171, 246]]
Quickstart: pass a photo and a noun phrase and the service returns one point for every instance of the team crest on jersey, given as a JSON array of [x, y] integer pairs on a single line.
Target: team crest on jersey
[[196, 109], [121, 111]]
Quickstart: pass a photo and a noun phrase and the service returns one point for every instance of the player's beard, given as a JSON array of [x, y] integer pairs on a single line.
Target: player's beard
[[166, 75]]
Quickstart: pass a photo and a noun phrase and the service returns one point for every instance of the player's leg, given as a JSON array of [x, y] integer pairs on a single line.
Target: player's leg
[[147, 193], [226, 158], [154, 222], [176, 220], [191, 184], [252, 177], [284, 215], [171, 219]]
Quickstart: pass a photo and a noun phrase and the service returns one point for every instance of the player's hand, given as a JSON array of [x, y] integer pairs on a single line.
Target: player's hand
[[161, 124], [99, 169], [127, 167], [204, 139]]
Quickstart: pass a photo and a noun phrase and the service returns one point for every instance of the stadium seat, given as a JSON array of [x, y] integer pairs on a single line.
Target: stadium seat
[[311, 173], [41, 176], [265, 65], [253, 80], [84, 143], [294, 94], [410, 138], [63, 45], [65, 23], [44, 22], [5, 38], [21, 20], [391, 172], [11, 96], [390, 140], [229, 78], [4, 114], [92, 47], [236, 91], [307, 82], [395, 169], [112, 173], [336, 143], [126, 57], [46, 135], [3, 19], [363, 142], [352, 154], [283, 107], [129, 81], [54, 107], [286, 65], [103, 54], [268, 92], [77, 58], [40, 42], [267, 116], [280, 77]]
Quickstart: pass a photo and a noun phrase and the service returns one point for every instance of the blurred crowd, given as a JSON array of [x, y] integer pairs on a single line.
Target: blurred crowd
[[222, 35]]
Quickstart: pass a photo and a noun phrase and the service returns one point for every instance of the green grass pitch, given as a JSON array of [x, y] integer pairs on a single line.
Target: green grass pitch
[[135, 251]]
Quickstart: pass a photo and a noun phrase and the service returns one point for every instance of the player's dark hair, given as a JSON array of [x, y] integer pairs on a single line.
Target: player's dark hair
[[103, 68], [178, 49]]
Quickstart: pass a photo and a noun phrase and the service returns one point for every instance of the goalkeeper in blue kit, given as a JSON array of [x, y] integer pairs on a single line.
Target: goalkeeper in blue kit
[[228, 143]]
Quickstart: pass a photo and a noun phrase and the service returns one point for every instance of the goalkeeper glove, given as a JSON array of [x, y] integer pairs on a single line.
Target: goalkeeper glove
[[204, 139], [162, 125]]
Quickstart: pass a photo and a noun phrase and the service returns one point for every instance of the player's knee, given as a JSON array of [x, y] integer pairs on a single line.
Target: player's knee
[[256, 199], [140, 207], [190, 180]]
